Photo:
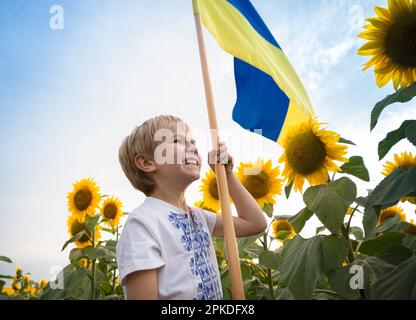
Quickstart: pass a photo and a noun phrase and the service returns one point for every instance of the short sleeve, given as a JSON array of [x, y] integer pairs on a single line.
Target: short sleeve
[[210, 218], [137, 249]]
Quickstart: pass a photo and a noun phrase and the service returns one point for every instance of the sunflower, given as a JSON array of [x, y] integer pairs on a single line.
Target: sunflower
[[209, 190], [111, 210], [310, 152], [75, 226], [18, 271], [201, 204], [391, 43], [282, 230], [85, 263], [406, 161], [43, 283], [9, 291], [262, 183], [26, 283], [390, 213], [84, 198]]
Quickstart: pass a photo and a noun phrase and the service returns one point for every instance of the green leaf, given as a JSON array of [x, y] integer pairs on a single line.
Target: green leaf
[[321, 294], [97, 253], [374, 269], [335, 250], [91, 222], [331, 201], [269, 259], [298, 221], [345, 141], [412, 194], [357, 168], [301, 265], [393, 138], [320, 229], [392, 224], [357, 232], [268, 209], [75, 255], [5, 259], [75, 238], [288, 189], [395, 255], [339, 279], [403, 95], [395, 186], [409, 241], [244, 244], [383, 241], [283, 234], [411, 133], [76, 285], [108, 230], [399, 284], [370, 221], [362, 201], [283, 294]]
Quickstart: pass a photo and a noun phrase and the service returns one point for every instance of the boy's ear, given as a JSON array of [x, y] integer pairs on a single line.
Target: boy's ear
[[144, 164]]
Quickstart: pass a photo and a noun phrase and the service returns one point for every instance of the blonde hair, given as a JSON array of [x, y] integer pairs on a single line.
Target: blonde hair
[[141, 142]]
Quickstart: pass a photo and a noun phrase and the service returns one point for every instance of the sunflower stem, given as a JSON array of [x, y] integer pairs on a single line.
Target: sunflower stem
[[267, 232], [349, 221], [114, 276], [251, 264], [93, 268], [269, 272]]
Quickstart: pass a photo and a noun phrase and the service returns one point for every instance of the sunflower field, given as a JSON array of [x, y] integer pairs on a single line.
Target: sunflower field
[[375, 259]]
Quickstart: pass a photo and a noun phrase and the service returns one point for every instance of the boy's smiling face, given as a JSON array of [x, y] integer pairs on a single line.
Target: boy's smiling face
[[177, 159]]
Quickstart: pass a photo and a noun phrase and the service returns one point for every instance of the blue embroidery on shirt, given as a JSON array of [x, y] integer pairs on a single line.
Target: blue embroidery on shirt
[[198, 240]]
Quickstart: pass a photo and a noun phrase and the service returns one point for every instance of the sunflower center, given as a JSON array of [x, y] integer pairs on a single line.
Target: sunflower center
[[401, 41], [83, 199], [283, 226], [76, 228], [305, 152], [258, 185], [213, 189], [407, 166], [387, 215], [110, 211]]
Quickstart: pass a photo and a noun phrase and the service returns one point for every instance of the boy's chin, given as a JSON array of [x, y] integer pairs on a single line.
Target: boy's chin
[[193, 177], [190, 177]]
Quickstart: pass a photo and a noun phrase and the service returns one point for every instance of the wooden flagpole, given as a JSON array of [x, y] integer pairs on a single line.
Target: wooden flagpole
[[237, 288]]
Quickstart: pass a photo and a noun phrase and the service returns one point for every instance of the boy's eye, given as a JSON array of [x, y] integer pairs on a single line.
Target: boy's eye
[[182, 140]]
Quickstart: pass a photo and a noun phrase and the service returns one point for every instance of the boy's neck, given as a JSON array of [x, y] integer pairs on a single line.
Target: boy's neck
[[175, 198]]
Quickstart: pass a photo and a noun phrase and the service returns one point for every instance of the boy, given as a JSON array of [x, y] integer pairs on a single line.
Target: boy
[[165, 250]]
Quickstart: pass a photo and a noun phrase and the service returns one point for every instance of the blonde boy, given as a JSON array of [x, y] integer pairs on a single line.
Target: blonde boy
[[165, 250]]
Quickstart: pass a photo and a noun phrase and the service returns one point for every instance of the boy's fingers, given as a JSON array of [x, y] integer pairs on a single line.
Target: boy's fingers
[[212, 157]]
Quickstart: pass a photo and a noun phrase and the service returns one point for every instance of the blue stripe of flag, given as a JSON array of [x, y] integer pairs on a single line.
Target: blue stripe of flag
[[260, 104]]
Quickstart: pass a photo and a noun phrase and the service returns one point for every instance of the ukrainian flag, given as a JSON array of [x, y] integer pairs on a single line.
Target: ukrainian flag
[[270, 95]]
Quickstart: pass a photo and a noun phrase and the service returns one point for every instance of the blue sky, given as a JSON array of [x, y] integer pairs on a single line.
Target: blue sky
[[68, 97]]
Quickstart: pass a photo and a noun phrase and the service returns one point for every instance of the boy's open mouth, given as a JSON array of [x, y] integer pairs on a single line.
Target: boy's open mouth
[[192, 161]]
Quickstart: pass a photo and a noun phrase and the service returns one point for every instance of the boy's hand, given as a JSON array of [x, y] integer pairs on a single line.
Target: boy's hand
[[221, 156]]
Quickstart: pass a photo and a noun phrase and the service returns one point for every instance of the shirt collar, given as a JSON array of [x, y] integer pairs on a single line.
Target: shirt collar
[[166, 205]]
